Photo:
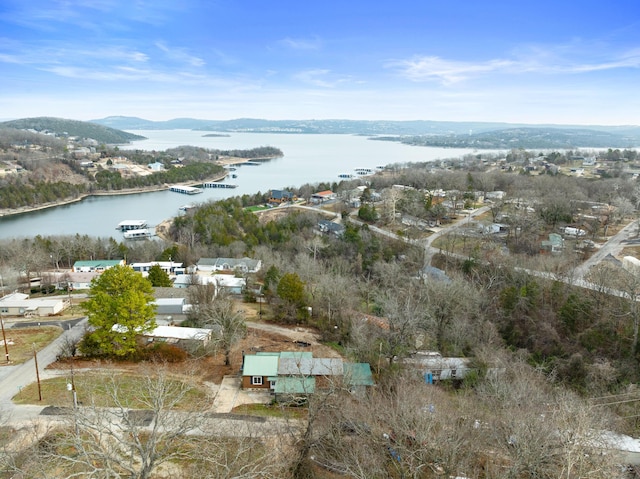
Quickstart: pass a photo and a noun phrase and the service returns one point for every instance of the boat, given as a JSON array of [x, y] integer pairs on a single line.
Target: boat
[[234, 176], [363, 171], [128, 225], [347, 176], [138, 234], [187, 207]]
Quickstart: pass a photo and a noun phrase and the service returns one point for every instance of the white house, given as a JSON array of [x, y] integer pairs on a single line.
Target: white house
[[156, 166], [242, 265], [169, 267], [178, 335], [222, 281], [435, 367], [19, 304]]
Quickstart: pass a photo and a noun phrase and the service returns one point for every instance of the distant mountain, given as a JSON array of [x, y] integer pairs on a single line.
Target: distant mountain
[[528, 138], [445, 133], [80, 129]]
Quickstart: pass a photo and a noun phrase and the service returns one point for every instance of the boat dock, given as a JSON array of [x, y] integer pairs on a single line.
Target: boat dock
[[187, 190], [128, 225], [142, 233], [214, 184]]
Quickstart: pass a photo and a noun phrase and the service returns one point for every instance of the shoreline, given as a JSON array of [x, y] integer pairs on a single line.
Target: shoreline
[[130, 191]]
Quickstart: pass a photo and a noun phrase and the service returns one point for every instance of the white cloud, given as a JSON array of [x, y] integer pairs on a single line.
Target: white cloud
[[313, 43], [535, 60], [319, 77], [180, 55]]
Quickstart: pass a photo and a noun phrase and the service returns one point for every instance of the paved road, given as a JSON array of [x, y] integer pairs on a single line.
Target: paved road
[[13, 378]]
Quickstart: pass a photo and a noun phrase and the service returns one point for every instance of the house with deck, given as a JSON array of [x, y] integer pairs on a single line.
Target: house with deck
[[277, 197]]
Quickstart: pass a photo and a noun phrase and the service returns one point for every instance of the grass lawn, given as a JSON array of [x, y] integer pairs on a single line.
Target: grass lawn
[[98, 388], [22, 341]]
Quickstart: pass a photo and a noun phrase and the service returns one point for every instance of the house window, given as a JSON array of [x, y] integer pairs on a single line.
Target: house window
[[256, 380], [4, 309]]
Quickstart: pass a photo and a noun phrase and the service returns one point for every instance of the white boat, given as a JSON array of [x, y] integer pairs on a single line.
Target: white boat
[[138, 234], [128, 225], [363, 171], [347, 176], [187, 207]]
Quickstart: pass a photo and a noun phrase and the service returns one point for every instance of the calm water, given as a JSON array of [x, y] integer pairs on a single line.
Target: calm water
[[307, 159]]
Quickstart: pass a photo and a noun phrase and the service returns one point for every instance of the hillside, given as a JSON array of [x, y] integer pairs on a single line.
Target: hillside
[[431, 133], [80, 129], [526, 138]]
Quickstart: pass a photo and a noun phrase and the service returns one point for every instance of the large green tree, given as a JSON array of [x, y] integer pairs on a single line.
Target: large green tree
[[159, 277], [119, 308]]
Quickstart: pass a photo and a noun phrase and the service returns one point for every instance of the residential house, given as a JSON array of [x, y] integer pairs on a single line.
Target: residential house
[[19, 304], [434, 367], [169, 267], [156, 166], [278, 197], [78, 280], [555, 243], [260, 370], [322, 196], [97, 266], [296, 374], [242, 265], [226, 282]]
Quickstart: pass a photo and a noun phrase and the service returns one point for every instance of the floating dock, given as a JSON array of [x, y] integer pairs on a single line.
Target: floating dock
[[186, 190], [138, 234], [128, 225], [214, 184]]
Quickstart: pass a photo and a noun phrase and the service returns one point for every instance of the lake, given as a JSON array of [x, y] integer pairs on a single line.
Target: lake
[[307, 159]]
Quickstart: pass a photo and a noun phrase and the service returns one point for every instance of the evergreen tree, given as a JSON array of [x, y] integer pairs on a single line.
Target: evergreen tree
[[119, 308]]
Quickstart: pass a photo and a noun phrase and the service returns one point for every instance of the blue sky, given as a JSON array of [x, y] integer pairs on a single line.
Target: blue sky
[[565, 62]]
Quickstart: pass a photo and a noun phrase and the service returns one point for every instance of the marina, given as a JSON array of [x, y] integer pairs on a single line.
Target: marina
[[215, 184], [186, 190]]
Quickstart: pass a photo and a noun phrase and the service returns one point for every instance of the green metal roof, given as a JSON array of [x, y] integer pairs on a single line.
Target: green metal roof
[[295, 385], [296, 355], [263, 365], [358, 374], [97, 263]]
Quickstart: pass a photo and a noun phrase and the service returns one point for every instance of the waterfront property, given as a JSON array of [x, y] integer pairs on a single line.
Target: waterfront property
[[169, 267], [278, 197]]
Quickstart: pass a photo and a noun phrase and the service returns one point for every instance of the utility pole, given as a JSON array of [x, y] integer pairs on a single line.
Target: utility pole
[[35, 357], [4, 340]]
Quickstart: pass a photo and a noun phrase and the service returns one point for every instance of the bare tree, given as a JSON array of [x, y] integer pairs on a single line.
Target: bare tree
[[223, 316]]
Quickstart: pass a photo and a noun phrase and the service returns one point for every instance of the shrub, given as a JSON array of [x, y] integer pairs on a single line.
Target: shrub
[[164, 352]]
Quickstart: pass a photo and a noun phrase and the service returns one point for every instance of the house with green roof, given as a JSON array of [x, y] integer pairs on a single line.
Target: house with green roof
[[260, 371], [298, 373], [96, 266]]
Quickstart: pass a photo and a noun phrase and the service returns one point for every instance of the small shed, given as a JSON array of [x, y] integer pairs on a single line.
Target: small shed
[[183, 337]]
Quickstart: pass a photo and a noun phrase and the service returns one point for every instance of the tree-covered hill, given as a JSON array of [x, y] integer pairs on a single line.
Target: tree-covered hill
[[525, 138], [80, 129]]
